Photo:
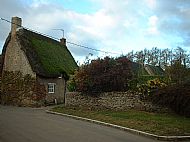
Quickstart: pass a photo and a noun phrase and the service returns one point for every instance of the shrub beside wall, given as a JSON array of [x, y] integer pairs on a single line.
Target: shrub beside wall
[[103, 75], [176, 97], [21, 90]]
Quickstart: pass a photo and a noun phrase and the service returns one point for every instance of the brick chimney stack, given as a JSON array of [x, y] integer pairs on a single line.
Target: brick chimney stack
[[16, 23], [63, 41]]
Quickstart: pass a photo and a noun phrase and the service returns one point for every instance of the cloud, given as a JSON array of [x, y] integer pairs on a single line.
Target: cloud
[[153, 20], [173, 16], [43, 17], [9, 8], [151, 3], [152, 29], [116, 25], [86, 29]]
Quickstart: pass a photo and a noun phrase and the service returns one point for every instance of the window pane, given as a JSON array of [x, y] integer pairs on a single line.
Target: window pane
[[51, 87]]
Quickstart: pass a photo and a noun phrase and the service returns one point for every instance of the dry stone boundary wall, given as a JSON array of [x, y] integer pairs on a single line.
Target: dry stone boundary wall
[[111, 100]]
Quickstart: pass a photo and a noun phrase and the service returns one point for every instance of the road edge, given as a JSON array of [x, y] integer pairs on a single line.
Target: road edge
[[153, 136]]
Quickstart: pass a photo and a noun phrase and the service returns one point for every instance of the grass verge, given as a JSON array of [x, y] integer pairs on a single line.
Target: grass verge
[[155, 123]]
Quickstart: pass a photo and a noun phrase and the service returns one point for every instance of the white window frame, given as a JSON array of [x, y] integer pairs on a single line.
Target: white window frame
[[51, 88]]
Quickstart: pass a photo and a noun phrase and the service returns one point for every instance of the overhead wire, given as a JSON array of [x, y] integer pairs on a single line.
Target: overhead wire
[[72, 43]]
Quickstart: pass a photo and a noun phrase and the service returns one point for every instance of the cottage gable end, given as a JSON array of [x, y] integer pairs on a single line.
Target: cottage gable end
[[29, 56], [15, 58]]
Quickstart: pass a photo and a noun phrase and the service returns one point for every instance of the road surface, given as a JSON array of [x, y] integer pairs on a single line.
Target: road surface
[[19, 124]]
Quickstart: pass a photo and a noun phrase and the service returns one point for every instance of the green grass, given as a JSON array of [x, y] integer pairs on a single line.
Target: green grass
[[156, 123]]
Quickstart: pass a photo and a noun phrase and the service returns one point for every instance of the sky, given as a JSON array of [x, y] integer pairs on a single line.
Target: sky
[[116, 26]]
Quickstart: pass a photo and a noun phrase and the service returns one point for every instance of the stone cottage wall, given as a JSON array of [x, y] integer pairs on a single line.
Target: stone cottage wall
[[111, 100], [16, 60], [59, 89]]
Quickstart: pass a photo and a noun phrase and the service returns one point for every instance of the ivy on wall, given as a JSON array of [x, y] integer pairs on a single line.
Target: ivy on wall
[[21, 90]]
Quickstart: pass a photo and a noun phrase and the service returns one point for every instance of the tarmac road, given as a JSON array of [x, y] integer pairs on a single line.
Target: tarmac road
[[18, 124]]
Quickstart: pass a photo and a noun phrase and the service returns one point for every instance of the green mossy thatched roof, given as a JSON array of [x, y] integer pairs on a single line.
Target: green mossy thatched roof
[[48, 58]]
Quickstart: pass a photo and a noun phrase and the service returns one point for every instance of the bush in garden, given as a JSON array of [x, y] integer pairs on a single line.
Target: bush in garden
[[151, 85], [103, 75], [71, 84], [176, 97], [140, 80], [177, 73], [17, 88]]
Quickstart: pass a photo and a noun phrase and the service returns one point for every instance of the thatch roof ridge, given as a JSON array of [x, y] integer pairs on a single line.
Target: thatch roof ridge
[[39, 50], [47, 57]]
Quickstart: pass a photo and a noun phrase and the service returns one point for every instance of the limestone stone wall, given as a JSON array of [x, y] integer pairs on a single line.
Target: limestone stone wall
[[16, 60], [111, 100]]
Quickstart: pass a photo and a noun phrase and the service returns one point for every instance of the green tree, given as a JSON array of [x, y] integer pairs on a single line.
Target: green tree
[[177, 72]]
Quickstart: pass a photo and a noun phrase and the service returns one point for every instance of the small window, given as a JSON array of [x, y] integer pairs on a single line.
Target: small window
[[51, 87]]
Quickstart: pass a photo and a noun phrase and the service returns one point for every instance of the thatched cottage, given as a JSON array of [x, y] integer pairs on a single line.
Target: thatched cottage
[[34, 68]]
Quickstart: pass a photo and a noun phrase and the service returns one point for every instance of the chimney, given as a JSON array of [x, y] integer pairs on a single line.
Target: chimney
[[63, 41], [16, 23]]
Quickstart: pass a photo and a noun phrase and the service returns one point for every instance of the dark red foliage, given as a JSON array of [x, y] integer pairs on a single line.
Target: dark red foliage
[[176, 97], [104, 75]]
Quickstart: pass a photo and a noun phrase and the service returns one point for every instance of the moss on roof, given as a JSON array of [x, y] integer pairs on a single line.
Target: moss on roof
[[139, 69], [47, 56], [54, 58], [156, 70]]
